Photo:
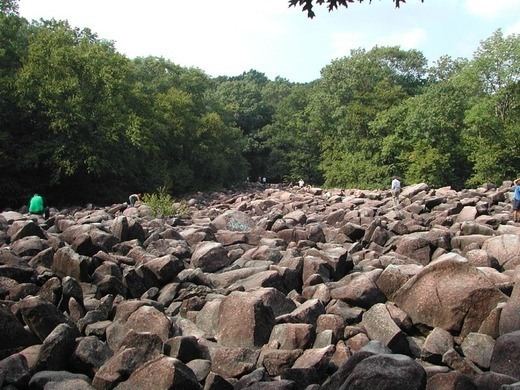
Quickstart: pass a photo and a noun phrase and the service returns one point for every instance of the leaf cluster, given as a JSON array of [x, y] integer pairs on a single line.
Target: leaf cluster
[[307, 5]]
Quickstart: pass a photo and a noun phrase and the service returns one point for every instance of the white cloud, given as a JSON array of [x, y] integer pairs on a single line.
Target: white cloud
[[218, 38], [513, 29], [343, 42], [490, 9], [411, 39]]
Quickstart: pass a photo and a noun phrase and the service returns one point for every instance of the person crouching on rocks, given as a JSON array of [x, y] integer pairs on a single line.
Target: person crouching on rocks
[[516, 200], [36, 206], [134, 198]]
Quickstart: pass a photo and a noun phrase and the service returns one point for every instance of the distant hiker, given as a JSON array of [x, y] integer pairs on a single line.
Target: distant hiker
[[516, 200], [396, 190], [301, 183], [264, 180], [132, 199], [36, 206]]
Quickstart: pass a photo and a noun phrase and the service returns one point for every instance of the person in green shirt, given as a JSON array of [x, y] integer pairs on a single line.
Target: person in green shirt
[[36, 206]]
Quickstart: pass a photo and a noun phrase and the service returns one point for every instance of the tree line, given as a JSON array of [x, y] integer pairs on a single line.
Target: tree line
[[80, 122]]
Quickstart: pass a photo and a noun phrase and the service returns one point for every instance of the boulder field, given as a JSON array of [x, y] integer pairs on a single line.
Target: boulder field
[[266, 288]]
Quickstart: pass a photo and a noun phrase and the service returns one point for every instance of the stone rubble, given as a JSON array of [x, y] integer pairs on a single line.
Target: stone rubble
[[266, 288]]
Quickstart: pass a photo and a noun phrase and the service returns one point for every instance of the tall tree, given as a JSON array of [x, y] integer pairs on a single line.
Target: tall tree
[[493, 122], [352, 91], [242, 97], [76, 89]]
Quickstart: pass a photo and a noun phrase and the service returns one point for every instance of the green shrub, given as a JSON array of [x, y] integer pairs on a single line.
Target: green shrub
[[163, 205]]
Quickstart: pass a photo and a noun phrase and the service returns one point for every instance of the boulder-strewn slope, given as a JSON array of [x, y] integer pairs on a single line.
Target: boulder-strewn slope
[[270, 288]]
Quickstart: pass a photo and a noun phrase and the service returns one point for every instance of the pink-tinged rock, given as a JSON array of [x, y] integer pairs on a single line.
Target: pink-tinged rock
[[228, 237], [380, 326], [21, 229], [480, 258], [467, 243], [210, 256], [506, 355], [292, 336], [149, 319], [226, 279], [162, 373], [261, 279], [315, 265], [491, 324], [317, 358], [292, 235], [478, 348], [450, 294], [41, 316], [207, 318], [413, 190], [453, 380], [457, 362], [395, 276], [67, 262], [332, 322], [355, 343], [415, 247], [165, 268], [28, 246], [276, 361], [306, 313], [121, 366], [357, 290], [438, 342], [504, 248], [244, 321], [236, 221], [234, 362], [468, 213]]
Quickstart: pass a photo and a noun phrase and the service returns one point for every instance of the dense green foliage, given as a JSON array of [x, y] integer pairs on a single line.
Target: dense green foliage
[[81, 122]]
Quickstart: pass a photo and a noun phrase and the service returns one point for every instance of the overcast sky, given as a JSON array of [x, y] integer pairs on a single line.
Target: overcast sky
[[227, 37]]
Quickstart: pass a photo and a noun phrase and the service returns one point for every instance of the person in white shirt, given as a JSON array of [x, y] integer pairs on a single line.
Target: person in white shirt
[[301, 183], [396, 190]]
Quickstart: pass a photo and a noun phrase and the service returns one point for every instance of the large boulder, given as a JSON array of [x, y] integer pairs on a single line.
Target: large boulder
[[506, 355], [14, 335], [28, 246], [415, 247], [21, 229], [210, 256], [451, 294], [41, 316], [380, 326], [357, 290], [292, 336], [235, 221], [162, 373], [234, 362], [67, 262], [478, 348], [57, 348], [504, 248], [438, 342], [386, 372], [244, 320]]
